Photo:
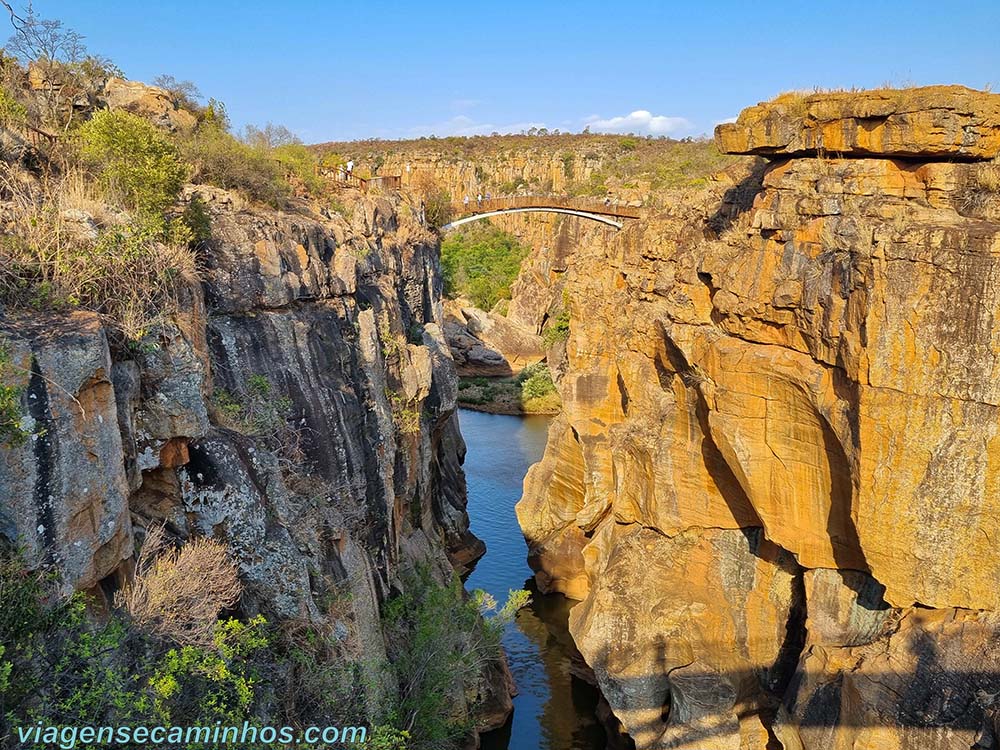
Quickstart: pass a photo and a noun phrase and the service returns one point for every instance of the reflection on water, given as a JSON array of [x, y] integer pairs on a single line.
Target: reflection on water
[[554, 710]]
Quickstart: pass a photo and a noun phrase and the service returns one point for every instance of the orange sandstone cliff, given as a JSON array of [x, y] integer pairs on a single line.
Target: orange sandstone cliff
[[774, 484]]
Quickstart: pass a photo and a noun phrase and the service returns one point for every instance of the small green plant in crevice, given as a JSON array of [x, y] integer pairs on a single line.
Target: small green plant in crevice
[[391, 346], [568, 160], [407, 414], [198, 221], [12, 432], [338, 207], [557, 330], [256, 411]]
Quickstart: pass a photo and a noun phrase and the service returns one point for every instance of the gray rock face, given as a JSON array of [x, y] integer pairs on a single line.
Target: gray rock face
[[300, 407], [65, 491]]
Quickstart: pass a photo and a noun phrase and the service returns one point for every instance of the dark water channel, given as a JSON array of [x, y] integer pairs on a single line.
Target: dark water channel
[[554, 710]]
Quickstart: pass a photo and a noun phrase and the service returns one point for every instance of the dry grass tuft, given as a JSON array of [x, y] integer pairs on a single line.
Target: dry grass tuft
[[981, 196], [71, 250], [178, 593]]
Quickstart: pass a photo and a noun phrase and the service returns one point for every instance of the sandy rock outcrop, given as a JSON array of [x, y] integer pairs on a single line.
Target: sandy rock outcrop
[[806, 350], [934, 122], [682, 671], [151, 102]]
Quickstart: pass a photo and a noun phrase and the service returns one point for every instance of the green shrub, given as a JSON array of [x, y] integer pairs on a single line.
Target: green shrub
[[299, 161], [196, 685], [70, 670], [326, 686], [255, 411], [12, 112], [198, 221], [595, 186], [133, 159], [481, 262], [512, 186], [568, 159], [218, 158], [536, 381], [387, 738], [538, 394], [444, 642]]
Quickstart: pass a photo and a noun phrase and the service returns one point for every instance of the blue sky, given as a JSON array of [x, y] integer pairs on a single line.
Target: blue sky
[[368, 68]]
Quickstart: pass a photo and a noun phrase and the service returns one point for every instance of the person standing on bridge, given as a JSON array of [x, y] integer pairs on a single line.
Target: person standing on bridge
[[479, 200], [466, 202], [350, 168]]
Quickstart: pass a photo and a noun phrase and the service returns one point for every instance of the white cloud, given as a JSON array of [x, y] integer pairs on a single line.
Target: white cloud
[[642, 122], [724, 122]]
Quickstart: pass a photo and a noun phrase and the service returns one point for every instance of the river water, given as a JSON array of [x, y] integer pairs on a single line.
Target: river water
[[554, 709]]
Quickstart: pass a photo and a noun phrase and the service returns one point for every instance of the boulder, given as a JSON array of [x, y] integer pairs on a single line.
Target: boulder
[[151, 102], [487, 344]]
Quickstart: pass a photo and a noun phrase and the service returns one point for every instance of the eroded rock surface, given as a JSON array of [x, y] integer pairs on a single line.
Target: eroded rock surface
[[488, 344], [805, 350], [931, 122]]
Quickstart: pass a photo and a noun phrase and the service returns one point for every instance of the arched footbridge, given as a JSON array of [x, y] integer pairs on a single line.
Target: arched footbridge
[[606, 212]]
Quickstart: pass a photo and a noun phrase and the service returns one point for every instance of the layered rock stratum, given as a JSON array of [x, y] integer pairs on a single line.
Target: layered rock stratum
[[299, 406], [773, 486]]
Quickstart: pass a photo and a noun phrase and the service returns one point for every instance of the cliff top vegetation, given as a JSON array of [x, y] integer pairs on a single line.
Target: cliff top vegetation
[[96, 214], [662, 163]]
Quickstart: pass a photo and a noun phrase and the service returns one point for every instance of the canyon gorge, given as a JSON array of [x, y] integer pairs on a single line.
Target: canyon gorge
[[771, 487], [770, 494]]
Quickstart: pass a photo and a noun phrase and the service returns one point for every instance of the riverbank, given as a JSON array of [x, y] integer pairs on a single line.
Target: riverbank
[[516, 396], [529, 392]]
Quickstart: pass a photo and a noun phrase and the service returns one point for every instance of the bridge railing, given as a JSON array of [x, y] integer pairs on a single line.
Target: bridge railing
[[605, 208], [385, 182]]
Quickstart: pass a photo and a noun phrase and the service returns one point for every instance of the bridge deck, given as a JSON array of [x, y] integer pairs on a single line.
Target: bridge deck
[[600, 208]]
